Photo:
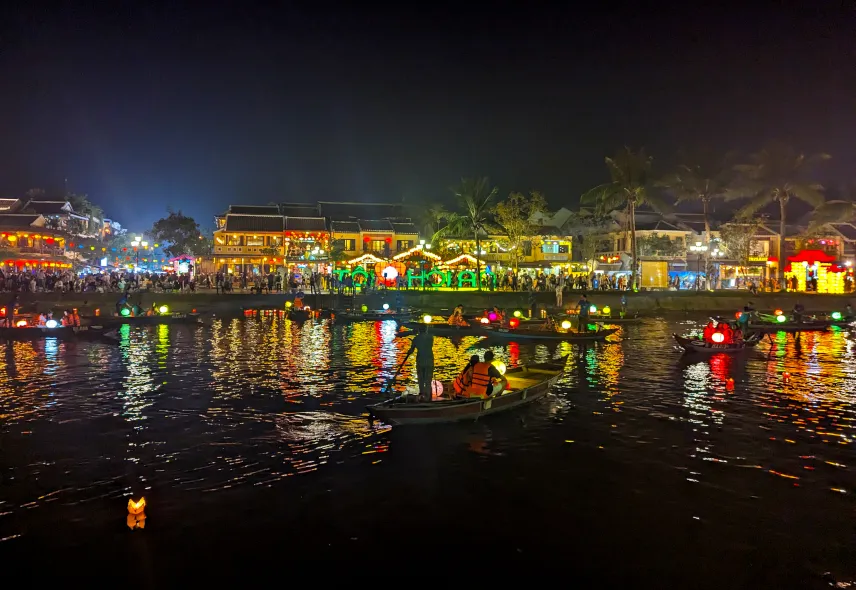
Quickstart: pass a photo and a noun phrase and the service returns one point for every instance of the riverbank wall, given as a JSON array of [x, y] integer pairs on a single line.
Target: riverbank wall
[[646, 303]]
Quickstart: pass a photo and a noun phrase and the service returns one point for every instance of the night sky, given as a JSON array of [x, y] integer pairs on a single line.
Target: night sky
[[150, 105]]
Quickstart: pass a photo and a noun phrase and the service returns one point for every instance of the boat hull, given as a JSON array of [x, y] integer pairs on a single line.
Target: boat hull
[[62, 332], [508, 334], [401, 413], [146, 320], [818, 326], [698, 347]]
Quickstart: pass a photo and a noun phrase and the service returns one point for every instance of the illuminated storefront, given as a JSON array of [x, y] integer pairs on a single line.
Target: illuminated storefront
[[816, 271]]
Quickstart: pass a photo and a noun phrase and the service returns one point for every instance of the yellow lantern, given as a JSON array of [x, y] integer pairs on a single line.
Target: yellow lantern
[[288, 304], [500, 366], [136, 513], [566, 325], [427, 319], [606, 310]]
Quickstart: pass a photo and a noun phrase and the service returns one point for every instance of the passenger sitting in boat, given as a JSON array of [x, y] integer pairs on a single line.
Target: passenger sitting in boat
[[848, 312], [298, 303], [457, 317], [75, 318], [500, 314], [465, 377], [487, 380], [42, 319], [708, 331], [66, 319], [549, 324]]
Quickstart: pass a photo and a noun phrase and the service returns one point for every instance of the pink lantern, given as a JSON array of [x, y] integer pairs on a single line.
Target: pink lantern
[[436, 389], [492, 316]]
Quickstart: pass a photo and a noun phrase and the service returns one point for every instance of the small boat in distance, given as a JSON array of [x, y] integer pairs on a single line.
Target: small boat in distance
[[146, 320], [526, 384], [89, 333], [693, 345]]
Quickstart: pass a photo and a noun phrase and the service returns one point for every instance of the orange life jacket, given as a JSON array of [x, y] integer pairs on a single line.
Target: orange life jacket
[[298, 303], [75, 319], [463, 380], [481, 381]]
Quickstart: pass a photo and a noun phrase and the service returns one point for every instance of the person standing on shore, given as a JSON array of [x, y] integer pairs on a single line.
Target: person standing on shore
[[559, 288]]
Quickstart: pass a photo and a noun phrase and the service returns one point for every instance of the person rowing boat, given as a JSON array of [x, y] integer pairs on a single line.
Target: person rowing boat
[[423, 343]]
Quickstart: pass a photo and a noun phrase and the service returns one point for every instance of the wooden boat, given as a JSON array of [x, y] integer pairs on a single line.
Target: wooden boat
[[616, 320], [807, 326], [525, 384], [444, 329], [89, 333], [147, 320], [519, 334], [372, 316], [700, 346]]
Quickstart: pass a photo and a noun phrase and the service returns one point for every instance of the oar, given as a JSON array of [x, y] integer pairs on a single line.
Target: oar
[[401, 366]]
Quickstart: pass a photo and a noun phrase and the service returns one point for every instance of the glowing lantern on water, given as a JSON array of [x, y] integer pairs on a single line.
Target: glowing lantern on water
[[607, 310], [163, 309], [306, 308], [500, 366], [288, 304], [385, 306], [781, 319], [566, 325], [593, 309], [513, 322], [436, 388], [492, 316], [51, 324], [3, 310], [836, 315], [786, 376], [125, 312], [136, 513], [518, 313], [364, 308], [427, 319], [778, 312], [718, 337], [21, 323], [729, 384], [738, 314], [484, 321]]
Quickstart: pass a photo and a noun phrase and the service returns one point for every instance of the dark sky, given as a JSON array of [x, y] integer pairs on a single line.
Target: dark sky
[[148, 104]]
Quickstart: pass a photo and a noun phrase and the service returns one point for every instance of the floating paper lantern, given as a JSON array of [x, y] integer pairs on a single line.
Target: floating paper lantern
[[364, 308], [593, 309], [125, 312], [427, 319], [385, 306], [518, 313], [163, 309], [492, 316], [836, 315], [513, 322], [484, 321], [777, 312], [21, 323], [566, 325], [607, 310], [288, 304], [781, 319]]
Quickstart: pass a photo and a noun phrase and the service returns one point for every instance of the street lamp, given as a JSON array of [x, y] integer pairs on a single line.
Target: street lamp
[[699, 249]]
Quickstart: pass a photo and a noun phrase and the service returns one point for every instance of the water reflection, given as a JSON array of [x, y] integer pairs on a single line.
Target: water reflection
[[260, 401]]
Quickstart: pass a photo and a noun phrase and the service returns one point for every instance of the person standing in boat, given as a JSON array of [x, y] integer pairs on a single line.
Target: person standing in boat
[[423, 342], [10, 311], [798, 312], [583, 307]]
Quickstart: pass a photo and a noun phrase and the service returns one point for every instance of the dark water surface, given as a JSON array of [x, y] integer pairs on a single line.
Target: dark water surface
[[247, 439]]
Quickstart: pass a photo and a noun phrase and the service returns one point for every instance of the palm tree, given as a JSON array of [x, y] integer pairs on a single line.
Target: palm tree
[[629, 187], [475, 196], [434, 216], [775, 175], [701, 184]]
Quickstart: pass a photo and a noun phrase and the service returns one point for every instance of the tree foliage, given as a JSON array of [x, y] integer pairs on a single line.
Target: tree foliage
[[657, 245], [515, 216], [179, 234], [736, 240]]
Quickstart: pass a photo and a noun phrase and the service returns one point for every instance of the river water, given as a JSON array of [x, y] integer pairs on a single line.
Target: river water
[[248, 439]]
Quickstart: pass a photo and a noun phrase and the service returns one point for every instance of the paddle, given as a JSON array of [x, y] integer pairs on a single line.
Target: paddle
[[401, 366]]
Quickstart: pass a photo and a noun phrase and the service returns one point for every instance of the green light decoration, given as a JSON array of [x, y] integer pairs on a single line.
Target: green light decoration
[[781, 319], [125, 312], [836, 315]]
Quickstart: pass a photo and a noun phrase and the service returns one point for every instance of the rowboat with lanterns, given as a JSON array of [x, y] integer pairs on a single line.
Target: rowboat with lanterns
[[89, 333], [555, 335], [526, 383], [698, 345]]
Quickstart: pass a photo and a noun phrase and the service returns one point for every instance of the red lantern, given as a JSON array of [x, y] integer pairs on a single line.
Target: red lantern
[[513, 322], [388, 240], [72, 244], [123, 249], [367, 239]]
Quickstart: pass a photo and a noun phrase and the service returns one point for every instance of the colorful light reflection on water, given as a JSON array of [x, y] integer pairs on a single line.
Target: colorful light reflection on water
[[188, 411]]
